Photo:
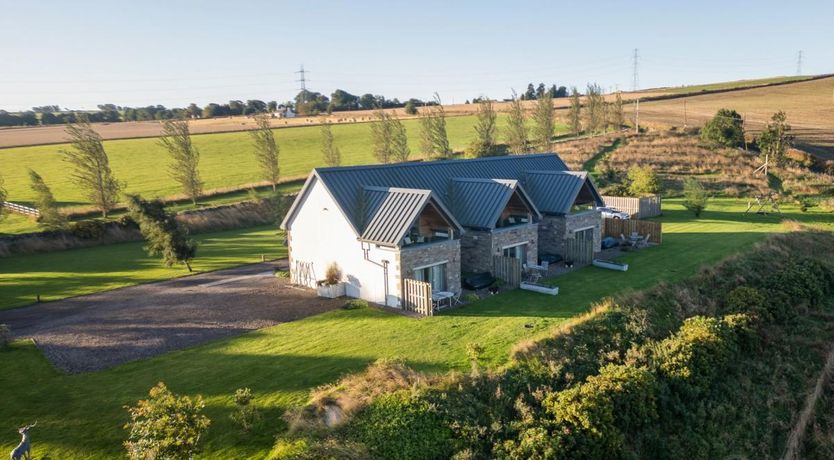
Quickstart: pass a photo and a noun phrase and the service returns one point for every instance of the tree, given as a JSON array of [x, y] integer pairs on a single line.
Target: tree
[[266, 150], [516, 129], [382, 136], [617, 115], [775, 139], [272, 106], [695, 197], [642, 180], [575, 112], [543, 122], [399, 140], [484, 143], [193, 111], [342, 100], [165, 426], [50, 218], [540, 90], [176, 138], [433, 137], [91, 166], [367, 101], [410, 107], [3, 195], [530, 94], [725, 128], [330, 153], [165, 236], [595, 104]]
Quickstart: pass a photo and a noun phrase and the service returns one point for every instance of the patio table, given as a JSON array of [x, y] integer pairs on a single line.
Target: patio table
[[438, 297]]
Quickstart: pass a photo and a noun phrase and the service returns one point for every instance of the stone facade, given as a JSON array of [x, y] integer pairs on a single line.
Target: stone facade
[[553, 230], [478, 247], [423, 255]]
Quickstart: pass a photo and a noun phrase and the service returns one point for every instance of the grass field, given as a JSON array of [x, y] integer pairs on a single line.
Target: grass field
[[61, 274], [227, 159], [80, 416], [737, 84]]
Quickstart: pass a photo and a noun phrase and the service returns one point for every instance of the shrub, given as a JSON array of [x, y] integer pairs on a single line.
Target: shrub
[[403, 426], [802, 282], [695, 196], [744, 299], [725, 128], [355, 304], [333, 274], [309, 449], [471, 297], [90, 229], [5, 336], [827, 205], [246, 414], [165, 426], [642, 181]]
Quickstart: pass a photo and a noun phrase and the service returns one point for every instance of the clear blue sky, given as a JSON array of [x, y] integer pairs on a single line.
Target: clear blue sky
[[81, 53]]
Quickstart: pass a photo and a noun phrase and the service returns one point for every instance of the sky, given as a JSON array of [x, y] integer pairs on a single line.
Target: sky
[[81, 53]]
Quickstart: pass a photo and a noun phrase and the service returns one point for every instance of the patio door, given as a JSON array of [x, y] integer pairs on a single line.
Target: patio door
[[434, 275], [517, 252]]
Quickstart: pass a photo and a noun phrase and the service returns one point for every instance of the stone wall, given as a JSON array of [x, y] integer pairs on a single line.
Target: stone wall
[[510, 236], [429, 254], [476, 251], [553, 230]]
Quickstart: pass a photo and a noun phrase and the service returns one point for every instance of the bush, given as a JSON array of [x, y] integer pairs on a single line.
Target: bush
[[471, 297], [333, 274], [803, 282], [695, 196], [744, 299], [165, 426], [5, 335], [827, 205], [88, 229], [283, 274], [643, 181], [355, 304], [246, 414], [725, 128], [308, 449], [403, 426]]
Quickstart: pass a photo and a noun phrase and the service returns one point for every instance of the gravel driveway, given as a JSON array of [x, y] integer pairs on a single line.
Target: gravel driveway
[[97, 331]]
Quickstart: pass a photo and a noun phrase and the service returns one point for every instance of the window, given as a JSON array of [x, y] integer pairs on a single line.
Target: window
[[518, 252], [435, 275]]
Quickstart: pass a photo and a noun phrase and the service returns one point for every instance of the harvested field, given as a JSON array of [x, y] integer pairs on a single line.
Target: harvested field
[[576, 153]]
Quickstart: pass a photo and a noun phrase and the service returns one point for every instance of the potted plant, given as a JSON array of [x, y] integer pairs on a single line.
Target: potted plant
[[331, 286]]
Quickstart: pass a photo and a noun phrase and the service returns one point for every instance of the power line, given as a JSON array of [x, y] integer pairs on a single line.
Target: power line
[[634, 83]]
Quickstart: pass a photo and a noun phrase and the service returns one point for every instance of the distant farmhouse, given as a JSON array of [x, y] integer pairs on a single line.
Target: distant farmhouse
[[432, 221]]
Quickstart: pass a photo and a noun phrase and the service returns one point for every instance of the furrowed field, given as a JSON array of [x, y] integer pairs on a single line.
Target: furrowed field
[[227, 159]]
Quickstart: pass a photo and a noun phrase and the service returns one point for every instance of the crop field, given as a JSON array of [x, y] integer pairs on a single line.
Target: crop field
[[56, 275], [80, 416], [227, 159], [809, 106]]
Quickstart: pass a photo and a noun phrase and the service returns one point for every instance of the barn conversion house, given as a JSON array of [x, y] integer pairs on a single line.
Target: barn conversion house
[[433, 221]]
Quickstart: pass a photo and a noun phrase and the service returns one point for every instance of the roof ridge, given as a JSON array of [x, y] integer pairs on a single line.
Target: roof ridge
[[381, 188], [482, 179], [433, 162]]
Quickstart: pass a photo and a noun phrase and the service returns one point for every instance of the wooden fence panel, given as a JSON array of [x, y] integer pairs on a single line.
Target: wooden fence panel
[[20, 209], [641, 208], [417, 297], [507, 269], [616, 227], [579, 251]]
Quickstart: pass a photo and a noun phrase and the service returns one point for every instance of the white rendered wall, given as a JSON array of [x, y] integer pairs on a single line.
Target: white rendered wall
[[320, 233]]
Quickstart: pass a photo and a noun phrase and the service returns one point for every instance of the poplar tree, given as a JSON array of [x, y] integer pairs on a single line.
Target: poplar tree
[[399, 140], [434, 140], [575, 112], [266, 150], [485, 126], [329, 152], [176, 138], [382, 136], [49, 218], [617, 115], [165, 236], [516, 134], [91, 166], [543, 122]]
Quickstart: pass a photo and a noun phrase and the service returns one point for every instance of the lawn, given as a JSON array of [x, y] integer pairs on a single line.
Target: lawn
[[227, 159], [60, 274], [80, 416]]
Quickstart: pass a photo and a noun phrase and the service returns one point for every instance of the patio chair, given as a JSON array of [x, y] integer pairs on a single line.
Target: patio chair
[[407, 240], [623, 239], [644, 243], [456, 299]]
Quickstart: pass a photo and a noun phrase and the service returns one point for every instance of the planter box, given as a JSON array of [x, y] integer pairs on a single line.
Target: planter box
[[540, 288], [331, 291], [611, 265]]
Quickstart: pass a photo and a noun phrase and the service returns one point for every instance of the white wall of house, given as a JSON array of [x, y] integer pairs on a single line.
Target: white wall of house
[[320, 234]]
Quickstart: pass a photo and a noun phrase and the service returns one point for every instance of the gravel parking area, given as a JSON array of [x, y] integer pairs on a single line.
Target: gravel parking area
[[98, 331]]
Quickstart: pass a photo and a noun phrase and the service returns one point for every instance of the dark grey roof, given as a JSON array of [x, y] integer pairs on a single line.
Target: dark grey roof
[[390, 213], [346, 184], [554, 192], [478, 203]]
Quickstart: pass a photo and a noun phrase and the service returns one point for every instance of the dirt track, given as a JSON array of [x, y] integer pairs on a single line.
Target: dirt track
[[98, 331]]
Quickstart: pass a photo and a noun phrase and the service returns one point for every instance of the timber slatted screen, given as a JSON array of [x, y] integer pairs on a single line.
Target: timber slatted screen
[[507, 269], [616, 227], [579, 251], [302, 274], [20, 209], [417, 296], [643, 207]]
